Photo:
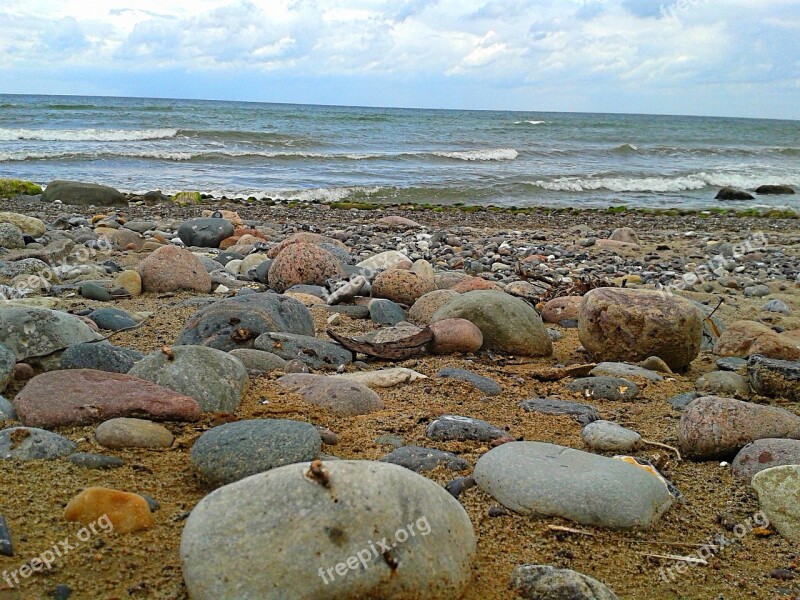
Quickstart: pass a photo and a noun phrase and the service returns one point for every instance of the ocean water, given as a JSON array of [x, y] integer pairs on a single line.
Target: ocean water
[[281, 151]]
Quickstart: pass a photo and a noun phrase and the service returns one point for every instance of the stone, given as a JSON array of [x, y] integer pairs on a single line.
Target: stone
[[229, 529], [455, 336], [130, 281], [426, 305], [605, 388], [385, 312], [778, 492], [101, 356], [729, 193], [233, 451], [38, 332], [534, 478], [171, 269], [775, 189], [85, 396], [344, 398], [303, 237], [731, 363], [28, 443], [8, 361], [454, 427], [774, 378], [315, 352], [484, 384], [93, 291], [474, 284], [133, 433], [11, 236], [397, 221], [777, 306], [543, 582], [401, 286], [83, 194], [303, 263], [723, 383], [347, 290], [124, 239], [757, 291], [681, 401], [113, 510], [141, 226], [95, 461], [615, 369], [653, 363], [509, 325], [747, 338], [764, 454], [205, 232], [717, 428], [631, 325], [583, 413], [28, 225], [421, 460], [215, 379], [258, 362], [7, 411], [607, 436], [561, 309], [113, 319], [383, 378], [624, 234], [237, 322], [391, 259]]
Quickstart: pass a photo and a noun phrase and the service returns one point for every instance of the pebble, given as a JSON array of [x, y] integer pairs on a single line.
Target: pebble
[[113, 319], [6, 544], [731, 363], [258, 362], [233, 451], [314, 352], [395, 441], [723, 383], [544, 582], [455, 336], [401, 286], [205, 232], [426, 305], [421, 460], [605, 388], [607, 436], [303, 263], [383, 378], [583, 413], [681, 401], [33, 332], [385, 312], [101, 356], [764, 454], [484, 384], [775, 378], [28, 443], [777, 306], [111, 509], [344, 398], [7, 410], [454, 427], [624, 370], [8, 361], [133, 433], [459, 485], [95, 461]]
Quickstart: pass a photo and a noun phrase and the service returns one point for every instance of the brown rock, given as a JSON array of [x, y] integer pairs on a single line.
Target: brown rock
[[169, 269], [122, 238], [561, 309], [133, 433], [108, 508], [746, 338], [229, 242], [84, 396], [344, 398], [616, 245], [631, 325], [397, 221], [422, 310], [712, 427], [475, 283], [453, 336], [232, 216], [401, 286], [303, 237], [624, 234], [130, 281], [303, 263]]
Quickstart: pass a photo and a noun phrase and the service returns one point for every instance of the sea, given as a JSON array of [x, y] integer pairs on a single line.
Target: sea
[[344, 153]]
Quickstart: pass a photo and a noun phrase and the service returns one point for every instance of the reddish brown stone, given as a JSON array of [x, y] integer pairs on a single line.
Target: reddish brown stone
[[303, 263], [84, 396], [475, 283], [746, 338], [452, 336], [112, 510], [401, 286], [170, 268], [561, 309], [303, 237], [228, 242]]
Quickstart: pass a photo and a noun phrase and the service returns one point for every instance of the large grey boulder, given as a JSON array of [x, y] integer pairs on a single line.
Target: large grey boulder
[[534, 478], [344, 530], [83, 194], [36, 332]]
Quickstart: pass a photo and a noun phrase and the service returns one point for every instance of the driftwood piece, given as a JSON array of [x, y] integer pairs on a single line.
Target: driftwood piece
[[555, 374], [413, 344]]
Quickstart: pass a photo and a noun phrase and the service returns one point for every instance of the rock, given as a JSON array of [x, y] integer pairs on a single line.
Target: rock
[[426, 305], [401, 286], [624, 234], [775, 189], [717, 428], [205, 233], [37, 332], [400, 342], [130, 281], [316, 353], [113, 510], [777, 306], [124, 239], [453, 427], [170, 269], [746, 338], [681, 401], [455, 336], [474, 284], [215, 379], [229, 529], [397, 221], [775, 378], [383, 378], [723, 383], [729, 193], [778, 489], [488, 386], [508, 324], [561, 309], [303, 263], [631, 325], [583, 413], [543, 582], [605, 388], [421, 460], [28, 443], [7, 411], [391, 259], [28, 225], [731, 363], [8, 361], [764, 454], [101, 356], [233, 451], [304, 237], [11, 236], [85, 396], [534, 478], [358, 284], [258, 362], [133, 433], [141, 226], [342, 397], [607, 436], [237, 322], [93, 291], [112, 319], [757, 291], [385, 312], [83, 194], [95, 461], [614, 369]]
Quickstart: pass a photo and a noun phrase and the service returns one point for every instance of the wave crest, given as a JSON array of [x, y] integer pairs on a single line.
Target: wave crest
[[85, 135]]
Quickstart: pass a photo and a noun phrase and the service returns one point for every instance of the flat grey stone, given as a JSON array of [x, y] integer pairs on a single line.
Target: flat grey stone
[[731, 363], [339, 395], [420, 459], [777, 306], [583, 413], [315, 352], [34, 332], [385, 312], [112, 319], [543, 582], [607, 436], [95, 461], [354, 312], [453, 427], [605, 388], [257, 361], [757, 291], [624, 370], [488, 386], [723, 383], [101, 356], [681, 401], [29, 443]]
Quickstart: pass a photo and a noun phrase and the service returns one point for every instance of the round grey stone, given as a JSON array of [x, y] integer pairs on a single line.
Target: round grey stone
[[34, 332], [486, 385], [257, 361], [29, 443], [607, 436], [7, 410]]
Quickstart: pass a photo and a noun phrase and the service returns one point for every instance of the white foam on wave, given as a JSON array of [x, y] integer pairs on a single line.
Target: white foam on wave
[[85, 135], [478, 155], [530, 122]]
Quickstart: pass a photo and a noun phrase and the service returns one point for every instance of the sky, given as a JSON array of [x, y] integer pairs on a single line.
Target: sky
[[700, 57]]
